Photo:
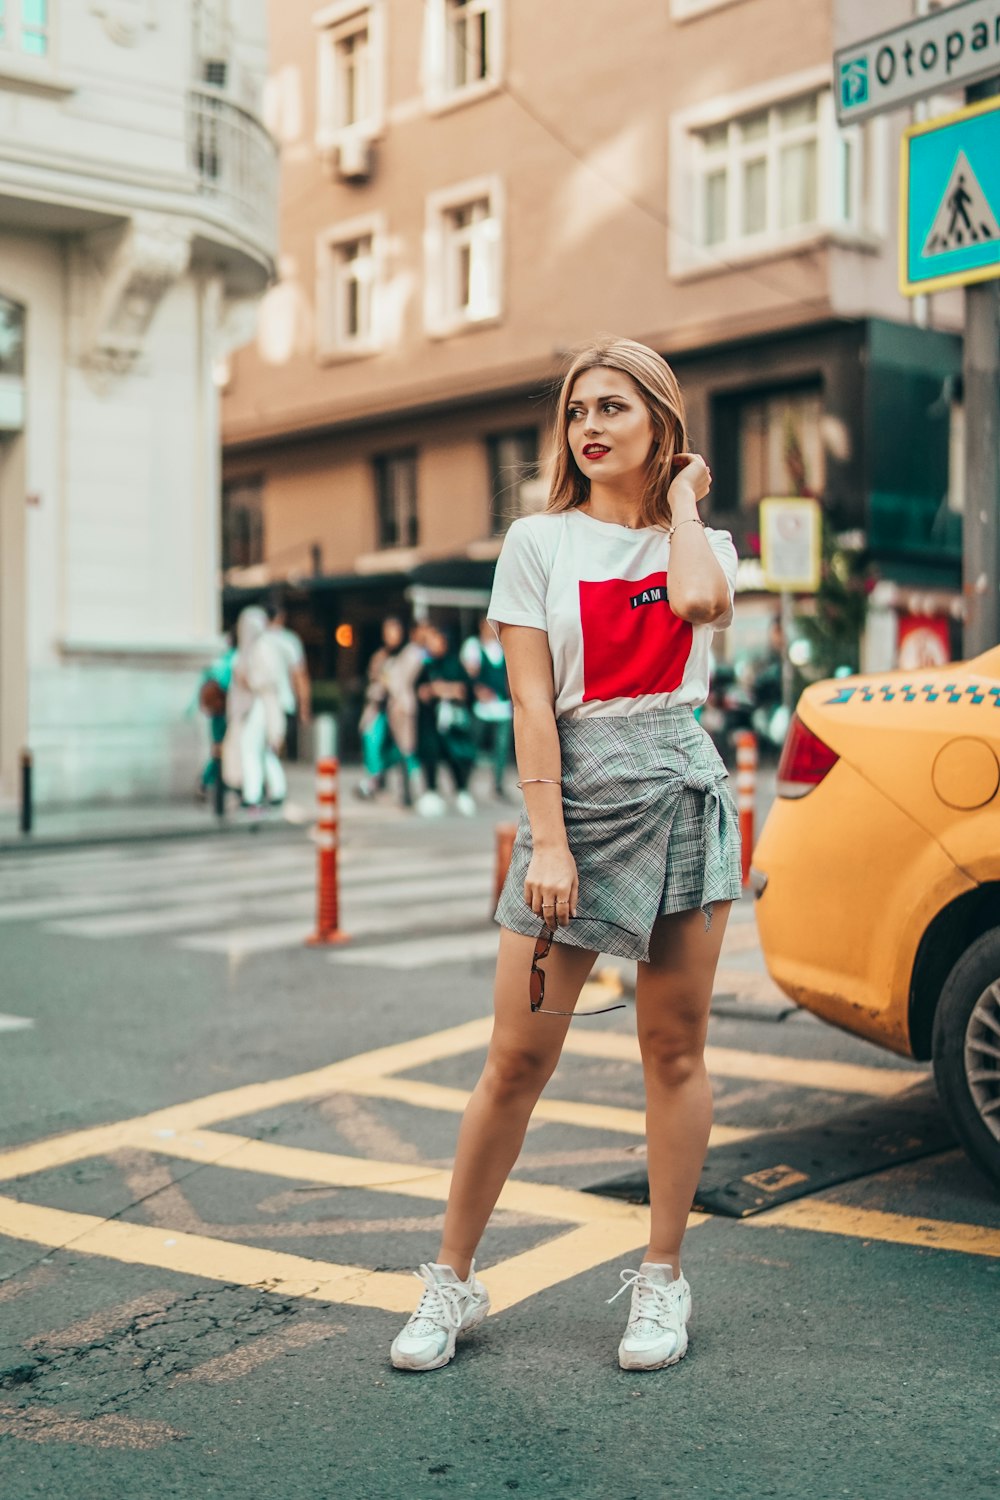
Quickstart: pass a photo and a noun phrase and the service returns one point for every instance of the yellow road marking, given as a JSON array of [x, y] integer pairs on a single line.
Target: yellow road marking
[[49, 1424], [242, 1154], [824, 1217], [560, 1259], [251, 1098], [763, 1067], [212, 1260], [561, 1111]]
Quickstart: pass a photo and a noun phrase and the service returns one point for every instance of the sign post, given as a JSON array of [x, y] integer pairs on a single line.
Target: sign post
[[791, 532], [949, 200], [933, 54], [950, 236]]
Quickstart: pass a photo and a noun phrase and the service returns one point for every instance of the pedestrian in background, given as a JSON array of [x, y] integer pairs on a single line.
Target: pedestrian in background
[[388, 724], [255, 719], [483, 659], [446, 729], [212, 691], [629, 841], [295, 688]]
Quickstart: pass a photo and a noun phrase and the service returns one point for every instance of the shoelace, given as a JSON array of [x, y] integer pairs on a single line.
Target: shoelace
[[438, 1305], [664, 1299]]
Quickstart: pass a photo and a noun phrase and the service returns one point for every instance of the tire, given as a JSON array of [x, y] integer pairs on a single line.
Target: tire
[[966, 1051]]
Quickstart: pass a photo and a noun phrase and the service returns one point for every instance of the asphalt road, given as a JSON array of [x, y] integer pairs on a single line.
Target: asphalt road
[[223, 1153]]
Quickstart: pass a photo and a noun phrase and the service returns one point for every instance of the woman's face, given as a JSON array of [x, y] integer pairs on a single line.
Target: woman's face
[[609, 429], [392, 633]]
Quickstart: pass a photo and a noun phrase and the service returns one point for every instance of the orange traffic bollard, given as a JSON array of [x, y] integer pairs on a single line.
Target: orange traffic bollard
[[746, 788], [327, 839], [505, 835]]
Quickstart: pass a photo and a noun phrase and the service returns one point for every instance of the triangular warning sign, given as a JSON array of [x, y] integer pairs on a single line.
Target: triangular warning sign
[[964, 217]]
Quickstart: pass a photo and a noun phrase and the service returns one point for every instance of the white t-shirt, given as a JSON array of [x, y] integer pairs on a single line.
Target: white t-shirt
[[291, 654], [600, 592]]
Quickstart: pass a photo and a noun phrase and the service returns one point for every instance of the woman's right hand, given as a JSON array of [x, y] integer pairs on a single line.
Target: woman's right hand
[[551, 886]]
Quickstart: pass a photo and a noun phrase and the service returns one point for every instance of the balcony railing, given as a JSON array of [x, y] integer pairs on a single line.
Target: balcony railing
[[235, 161]]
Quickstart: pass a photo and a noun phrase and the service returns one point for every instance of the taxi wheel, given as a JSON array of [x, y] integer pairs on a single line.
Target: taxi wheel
[[966, 1049]]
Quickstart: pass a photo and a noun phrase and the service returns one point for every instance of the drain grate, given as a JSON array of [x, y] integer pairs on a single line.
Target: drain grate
[[757, 1173]]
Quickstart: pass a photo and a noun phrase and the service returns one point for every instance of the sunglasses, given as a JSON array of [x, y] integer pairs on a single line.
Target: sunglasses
[[536, 982]]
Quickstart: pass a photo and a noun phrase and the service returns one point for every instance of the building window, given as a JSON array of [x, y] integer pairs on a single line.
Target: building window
[[470, 25], [513, 460], [24, 27], [396, 499], [767, 175], [348, 287], [242, 523], [350, 72], [780, 445], [463, 249], [463, 46]]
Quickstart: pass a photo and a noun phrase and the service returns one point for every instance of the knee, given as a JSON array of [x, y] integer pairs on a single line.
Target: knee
[[671, 1058], [516, 1073]]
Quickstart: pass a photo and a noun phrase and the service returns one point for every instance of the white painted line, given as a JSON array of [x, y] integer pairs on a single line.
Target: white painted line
[[379, 922], [16, 1023], [424, 953]]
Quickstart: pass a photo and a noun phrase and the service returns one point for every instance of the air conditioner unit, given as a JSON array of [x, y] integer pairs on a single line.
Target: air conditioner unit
[[354, 158]]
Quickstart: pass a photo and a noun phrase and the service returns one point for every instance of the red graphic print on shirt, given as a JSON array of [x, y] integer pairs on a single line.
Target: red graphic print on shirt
[[633, 643]]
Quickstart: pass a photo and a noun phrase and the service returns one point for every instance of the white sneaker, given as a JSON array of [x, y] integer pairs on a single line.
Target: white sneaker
[[466, 804], [447, 1308], [431, 805], [656, 1334]]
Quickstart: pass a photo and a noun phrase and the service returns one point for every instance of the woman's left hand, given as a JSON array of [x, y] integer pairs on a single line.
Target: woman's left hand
[[692, 481]]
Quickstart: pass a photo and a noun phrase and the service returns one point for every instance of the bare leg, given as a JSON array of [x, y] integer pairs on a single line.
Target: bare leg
[[524, 1050], [673, 997]]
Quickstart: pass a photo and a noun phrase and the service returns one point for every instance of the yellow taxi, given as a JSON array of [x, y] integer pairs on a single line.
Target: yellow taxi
[[877, 875]]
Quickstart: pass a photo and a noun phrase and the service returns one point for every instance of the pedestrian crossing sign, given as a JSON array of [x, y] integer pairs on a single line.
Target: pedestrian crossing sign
[[949, 200]]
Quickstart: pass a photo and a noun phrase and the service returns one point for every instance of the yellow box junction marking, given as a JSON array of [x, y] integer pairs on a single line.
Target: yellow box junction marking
[[601, 1229]]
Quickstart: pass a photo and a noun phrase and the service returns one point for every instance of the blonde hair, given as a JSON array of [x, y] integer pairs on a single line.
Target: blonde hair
[[661, 395]]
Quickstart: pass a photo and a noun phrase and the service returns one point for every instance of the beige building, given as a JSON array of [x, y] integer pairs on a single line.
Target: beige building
[[471, 188]]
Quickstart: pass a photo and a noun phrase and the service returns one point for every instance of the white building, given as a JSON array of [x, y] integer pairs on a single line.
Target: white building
[[137, 218]]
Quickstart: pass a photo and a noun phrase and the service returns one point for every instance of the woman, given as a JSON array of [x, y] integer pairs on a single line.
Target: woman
[[255, 719], [388, 724], [605, 605]]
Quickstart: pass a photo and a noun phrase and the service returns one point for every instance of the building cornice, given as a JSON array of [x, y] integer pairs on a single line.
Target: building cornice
[[527, 379]]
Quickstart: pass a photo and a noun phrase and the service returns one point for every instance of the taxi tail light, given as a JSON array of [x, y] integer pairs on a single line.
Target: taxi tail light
[[805, 760]]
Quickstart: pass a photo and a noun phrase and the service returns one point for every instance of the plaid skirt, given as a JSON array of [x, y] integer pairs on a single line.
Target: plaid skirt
[[650, 822]]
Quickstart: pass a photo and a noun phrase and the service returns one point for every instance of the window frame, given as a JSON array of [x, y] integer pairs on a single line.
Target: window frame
[[497, 520], [864, 226], [442, 316], [380, 464], [332, 341], [12, 30], [334, 25], [233, 484], [439, 93]]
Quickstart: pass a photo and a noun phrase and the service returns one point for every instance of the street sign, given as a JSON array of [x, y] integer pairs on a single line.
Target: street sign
[[934, 54], [790, 533], [949, 200]]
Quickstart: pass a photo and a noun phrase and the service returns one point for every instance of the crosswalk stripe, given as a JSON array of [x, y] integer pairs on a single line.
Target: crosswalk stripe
[[239, 942], [422, 953], [30, 903], [16, 1023], [360, 919]]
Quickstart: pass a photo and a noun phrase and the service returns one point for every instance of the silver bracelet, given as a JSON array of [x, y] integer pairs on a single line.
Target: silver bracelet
[[545, 780], [696, 519]]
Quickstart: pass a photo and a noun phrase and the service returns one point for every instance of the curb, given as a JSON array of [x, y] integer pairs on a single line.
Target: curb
[[40, 843]]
